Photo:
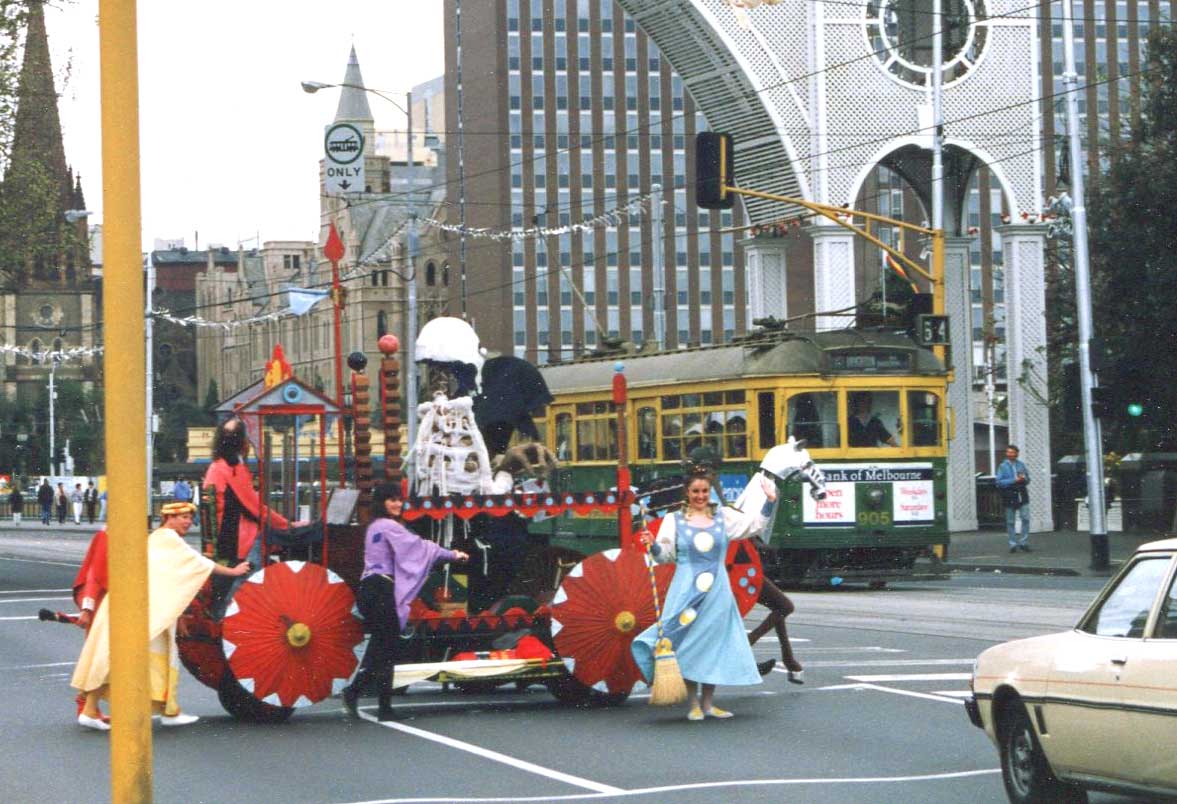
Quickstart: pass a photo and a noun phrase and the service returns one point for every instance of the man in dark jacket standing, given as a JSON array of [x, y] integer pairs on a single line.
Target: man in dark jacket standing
[[45, 498], [1012, 479], [17, 502], [90, 497]]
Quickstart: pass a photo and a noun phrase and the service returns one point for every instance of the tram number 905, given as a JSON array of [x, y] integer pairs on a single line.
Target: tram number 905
[[873, 518]]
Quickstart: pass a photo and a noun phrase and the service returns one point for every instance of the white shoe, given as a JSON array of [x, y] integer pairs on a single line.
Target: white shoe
[[178, 720], [95, 723]]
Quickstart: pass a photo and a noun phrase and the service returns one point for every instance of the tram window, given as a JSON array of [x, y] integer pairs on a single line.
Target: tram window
[[691, 400], [564, 436], [692, 431], [813, 417], [647, 433], [596, 439], [736, 445], [766, 410], [924, 409], [873, 419], [712, 398], [670, 402], [672, 437], [733, 397]]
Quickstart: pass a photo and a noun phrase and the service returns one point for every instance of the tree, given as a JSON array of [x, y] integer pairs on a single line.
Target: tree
[[1133, 219]]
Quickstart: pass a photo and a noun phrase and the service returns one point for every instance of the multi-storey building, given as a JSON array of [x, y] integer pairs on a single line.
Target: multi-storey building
[[569, 111]]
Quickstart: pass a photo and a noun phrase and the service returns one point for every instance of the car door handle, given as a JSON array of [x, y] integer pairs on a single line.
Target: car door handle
[[1120, 660]]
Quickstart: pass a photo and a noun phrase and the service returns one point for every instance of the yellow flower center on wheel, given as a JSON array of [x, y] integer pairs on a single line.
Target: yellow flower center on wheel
[[625, 622], [298, 635]]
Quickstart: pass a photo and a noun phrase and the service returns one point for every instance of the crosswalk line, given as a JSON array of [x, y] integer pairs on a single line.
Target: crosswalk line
[[912, 677], [850, 663]]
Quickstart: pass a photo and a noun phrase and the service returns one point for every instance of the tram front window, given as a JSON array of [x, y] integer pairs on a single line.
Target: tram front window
[[647, 433], [813, 417], [924, 409], [873, 419]]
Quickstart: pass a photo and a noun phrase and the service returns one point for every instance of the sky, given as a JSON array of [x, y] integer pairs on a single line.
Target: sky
[[229, 142]]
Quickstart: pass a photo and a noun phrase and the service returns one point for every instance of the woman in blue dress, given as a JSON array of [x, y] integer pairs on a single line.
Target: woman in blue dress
[[700, 615]]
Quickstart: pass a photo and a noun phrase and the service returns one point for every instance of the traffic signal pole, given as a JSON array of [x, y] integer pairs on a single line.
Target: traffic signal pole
[[124, 365], [1092, 437]]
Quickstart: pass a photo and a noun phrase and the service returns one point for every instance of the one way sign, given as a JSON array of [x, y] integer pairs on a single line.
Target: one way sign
[[343, 146]]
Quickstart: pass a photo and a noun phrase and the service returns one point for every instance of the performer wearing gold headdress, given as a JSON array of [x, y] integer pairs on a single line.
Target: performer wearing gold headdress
[[175, 574]]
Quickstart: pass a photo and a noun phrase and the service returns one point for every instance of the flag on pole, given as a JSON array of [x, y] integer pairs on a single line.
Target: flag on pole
[[300, 300], [895, 266]]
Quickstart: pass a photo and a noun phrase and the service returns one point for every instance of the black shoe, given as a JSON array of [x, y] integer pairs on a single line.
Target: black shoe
[[385, 712], [1013, 549], [351, 699], [1026, 548], [765, 667]]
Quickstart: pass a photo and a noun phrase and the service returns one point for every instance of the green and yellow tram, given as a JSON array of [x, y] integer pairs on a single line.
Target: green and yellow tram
[[871, 407]]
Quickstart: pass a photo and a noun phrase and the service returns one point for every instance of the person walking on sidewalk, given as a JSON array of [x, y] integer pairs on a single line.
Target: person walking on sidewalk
[[45, 498], [90, 498], [17, 503], [1012, 480], [78, 498], [60, 501]]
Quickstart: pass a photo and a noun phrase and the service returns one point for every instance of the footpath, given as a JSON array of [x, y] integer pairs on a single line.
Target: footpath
[[1060, 552]]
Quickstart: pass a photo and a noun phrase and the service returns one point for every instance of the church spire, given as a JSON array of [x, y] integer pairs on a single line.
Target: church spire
[[37, 131], [353, 100]]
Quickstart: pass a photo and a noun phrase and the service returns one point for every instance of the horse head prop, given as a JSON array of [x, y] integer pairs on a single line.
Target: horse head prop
[[784, 462]]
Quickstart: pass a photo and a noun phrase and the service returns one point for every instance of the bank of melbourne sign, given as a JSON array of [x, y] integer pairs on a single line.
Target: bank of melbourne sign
[[343, 147]]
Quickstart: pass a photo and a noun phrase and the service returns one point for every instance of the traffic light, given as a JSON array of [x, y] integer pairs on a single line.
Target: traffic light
[[714, 170]]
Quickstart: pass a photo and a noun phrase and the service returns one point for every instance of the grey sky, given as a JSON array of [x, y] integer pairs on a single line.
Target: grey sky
[[229, 141]]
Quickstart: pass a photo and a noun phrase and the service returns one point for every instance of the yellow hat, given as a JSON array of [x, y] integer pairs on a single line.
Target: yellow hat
[[178, 509]]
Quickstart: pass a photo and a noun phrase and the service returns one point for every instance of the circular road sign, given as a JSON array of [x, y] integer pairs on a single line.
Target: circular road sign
[[343, 144]]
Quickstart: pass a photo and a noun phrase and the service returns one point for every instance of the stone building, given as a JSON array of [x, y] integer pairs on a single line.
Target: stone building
[[49, 299]]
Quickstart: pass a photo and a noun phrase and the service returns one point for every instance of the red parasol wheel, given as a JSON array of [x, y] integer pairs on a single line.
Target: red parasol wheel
[[744, 572], [291, 634], [604, 602]]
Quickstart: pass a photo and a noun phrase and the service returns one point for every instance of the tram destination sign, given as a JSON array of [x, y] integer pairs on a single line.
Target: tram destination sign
[[877, 473], [872, 362], [343, 151]]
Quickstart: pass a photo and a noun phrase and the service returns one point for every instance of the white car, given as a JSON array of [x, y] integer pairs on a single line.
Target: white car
[[1095, 707]]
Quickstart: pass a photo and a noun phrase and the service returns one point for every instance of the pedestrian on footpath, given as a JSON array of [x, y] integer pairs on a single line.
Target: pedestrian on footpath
[[90, 499], [17, 503], [78, 498], [102, 505], [45, 498], [60, 501], [1012, 480]]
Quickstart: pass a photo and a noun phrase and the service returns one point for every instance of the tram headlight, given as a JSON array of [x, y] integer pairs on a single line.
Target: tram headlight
[[874, 498]]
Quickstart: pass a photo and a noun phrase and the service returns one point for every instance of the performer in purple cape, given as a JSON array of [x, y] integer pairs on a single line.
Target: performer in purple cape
[[396, 565]]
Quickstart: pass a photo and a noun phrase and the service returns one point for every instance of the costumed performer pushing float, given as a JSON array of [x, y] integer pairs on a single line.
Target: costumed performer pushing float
[[700, 616], [175, 573]]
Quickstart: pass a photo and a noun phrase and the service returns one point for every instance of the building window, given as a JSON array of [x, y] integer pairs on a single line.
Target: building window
[[430, 274]]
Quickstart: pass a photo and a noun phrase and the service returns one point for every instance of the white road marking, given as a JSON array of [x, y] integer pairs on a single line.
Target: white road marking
[[893, 690], [31, 591], [75, 564], [892, 663], [953, 693], [770, 638], [495, 756], [31, 599], [650, 791], [915, 677], [5, 619], [36, 666]]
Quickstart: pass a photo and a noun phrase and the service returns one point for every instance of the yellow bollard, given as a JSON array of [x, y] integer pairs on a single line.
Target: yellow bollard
[[124, 366]]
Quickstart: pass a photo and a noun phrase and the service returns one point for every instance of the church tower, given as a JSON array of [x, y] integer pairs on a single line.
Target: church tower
[[48, 296]]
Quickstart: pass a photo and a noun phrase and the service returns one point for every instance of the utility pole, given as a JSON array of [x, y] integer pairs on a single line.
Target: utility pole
[[411, 327], [659, 278], [149, 328], [52, 420], [1092, 438]]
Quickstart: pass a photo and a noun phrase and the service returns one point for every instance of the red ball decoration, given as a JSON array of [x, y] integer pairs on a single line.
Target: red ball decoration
[[388, 344]]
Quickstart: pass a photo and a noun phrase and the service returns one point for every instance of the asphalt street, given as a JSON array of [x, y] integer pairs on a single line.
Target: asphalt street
[[879, 718]]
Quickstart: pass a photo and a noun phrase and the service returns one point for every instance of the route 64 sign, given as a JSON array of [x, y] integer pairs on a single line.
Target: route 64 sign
[[932, 330], [343, 146]]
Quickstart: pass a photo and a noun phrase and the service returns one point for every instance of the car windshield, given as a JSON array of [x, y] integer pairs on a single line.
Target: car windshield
[[1124, 612]]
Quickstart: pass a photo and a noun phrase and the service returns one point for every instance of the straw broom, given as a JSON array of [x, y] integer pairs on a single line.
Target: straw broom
[[668, 688]]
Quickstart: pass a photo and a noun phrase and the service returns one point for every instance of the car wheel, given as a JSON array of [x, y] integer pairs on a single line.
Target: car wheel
[[1024, 769]]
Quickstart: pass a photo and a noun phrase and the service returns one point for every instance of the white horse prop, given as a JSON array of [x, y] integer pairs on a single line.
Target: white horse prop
[[783, 462]]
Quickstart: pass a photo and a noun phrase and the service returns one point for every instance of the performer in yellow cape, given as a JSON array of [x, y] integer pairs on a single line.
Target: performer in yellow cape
[[175, 573]]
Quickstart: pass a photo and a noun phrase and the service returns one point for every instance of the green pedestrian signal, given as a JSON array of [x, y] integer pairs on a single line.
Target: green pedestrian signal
[[1135, 409]]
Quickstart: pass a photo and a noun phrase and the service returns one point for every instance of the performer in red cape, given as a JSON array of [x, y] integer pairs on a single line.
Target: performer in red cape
[[89, 588], [240, 512]]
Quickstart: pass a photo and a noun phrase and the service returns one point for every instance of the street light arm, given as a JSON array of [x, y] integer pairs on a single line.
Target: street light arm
[[311, 87]]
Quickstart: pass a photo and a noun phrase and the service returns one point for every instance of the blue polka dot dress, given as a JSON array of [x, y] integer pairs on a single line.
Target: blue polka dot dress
[[700, 615]]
